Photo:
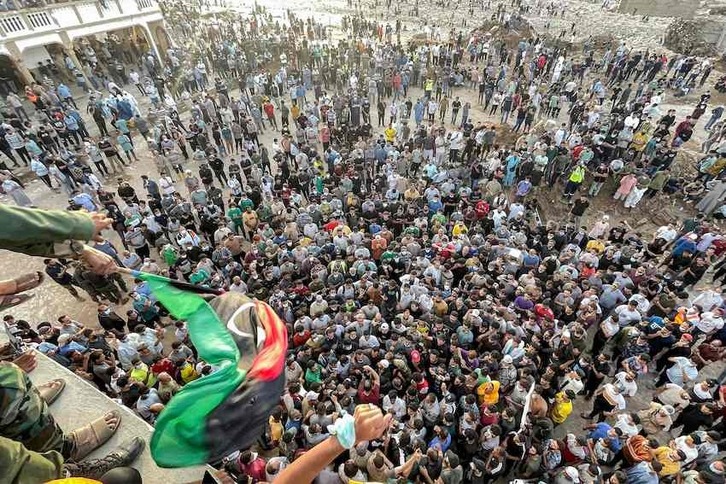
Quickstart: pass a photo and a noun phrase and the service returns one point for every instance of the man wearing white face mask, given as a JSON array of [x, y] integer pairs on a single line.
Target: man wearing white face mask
[[392, 403], [109, 320]]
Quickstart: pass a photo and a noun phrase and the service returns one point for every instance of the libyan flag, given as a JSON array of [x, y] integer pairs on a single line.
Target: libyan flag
[[227, 410]]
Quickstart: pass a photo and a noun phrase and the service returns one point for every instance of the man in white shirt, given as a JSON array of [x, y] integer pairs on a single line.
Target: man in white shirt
[[673, 395], [238, 285], [395, 404], [687, 445], [626, 381], [431, 109], [136, 81], [627, 314], [709, 299], [681, 372], [710, 321], [666, 232], [624, 422], [561, 135], [632, 121]]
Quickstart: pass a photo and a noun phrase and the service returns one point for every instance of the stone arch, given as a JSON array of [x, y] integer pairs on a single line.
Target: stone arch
[[162, 38], [47, 60], [11, 79]]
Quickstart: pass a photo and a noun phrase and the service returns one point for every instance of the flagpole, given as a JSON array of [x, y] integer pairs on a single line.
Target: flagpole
[[180, 284]]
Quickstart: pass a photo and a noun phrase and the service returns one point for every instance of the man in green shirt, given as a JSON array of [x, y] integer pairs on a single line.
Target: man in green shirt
[[54, 233], [235, 215]]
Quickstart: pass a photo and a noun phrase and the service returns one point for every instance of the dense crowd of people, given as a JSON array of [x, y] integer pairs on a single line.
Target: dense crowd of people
[[408, 261]]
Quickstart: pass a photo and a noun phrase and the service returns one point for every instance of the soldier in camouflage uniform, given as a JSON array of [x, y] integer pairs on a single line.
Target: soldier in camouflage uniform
[[33, 448], [24, 415]]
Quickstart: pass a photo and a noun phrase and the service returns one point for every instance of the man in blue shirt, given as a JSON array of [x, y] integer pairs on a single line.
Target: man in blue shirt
[[66, 345], [72, 126], [84, 200], [644, 473], [605, 431], [64, 92], [435, 205], [442, 438], [685, 244]]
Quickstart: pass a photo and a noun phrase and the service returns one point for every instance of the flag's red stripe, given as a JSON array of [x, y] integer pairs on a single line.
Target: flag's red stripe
[[269, 362]]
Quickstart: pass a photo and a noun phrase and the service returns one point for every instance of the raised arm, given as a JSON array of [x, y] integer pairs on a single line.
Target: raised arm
[[369, 424], [46, 232]]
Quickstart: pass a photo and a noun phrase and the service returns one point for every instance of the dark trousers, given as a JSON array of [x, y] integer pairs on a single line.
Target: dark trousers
[[46, 180], [142, 251], [599, 407], [71, 288], [222, 177], [23, 153], [101, 167], [598, 343]]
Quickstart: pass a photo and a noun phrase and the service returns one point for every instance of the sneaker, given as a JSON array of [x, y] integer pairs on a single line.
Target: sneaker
[[122, 456]]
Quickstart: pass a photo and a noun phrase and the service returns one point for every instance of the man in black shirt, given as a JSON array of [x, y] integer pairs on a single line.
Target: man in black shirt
[[109, 320], [455, 107], [217, 165], [578, 210], [57, 271]]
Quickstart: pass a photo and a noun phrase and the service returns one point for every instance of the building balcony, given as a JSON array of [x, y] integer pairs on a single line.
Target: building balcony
[[30, 25]]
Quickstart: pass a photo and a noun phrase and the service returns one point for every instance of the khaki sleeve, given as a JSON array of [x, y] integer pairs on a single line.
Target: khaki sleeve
[[19, 464], [42, 232]]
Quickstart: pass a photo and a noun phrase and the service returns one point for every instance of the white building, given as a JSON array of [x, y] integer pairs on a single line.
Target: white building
[[30, 37]]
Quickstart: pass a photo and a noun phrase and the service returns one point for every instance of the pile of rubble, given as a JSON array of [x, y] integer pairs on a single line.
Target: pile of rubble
[[591, 20], [685, 36]]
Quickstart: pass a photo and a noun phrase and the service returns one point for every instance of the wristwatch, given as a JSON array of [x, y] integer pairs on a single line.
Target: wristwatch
[[77, 247]]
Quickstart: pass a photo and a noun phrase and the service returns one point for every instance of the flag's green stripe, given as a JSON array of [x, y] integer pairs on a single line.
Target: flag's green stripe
[[180, 439]]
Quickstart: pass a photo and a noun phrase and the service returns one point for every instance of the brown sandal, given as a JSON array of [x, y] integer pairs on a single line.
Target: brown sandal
[[92, 436], [28, 281], [49, 391], [12, 300]]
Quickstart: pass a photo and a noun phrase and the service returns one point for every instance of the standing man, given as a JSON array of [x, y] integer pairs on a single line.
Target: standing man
[[269, 109], [578, 210], [455, 107], [17, 104], [64, 92], [16, 142], [431, 108], [58, 271], [135, 79]]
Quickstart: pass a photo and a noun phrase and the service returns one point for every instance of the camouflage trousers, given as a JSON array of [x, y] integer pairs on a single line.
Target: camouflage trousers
[[24, 415]]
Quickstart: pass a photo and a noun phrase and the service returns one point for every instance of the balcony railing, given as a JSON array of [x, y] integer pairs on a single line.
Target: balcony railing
[[17, 23]]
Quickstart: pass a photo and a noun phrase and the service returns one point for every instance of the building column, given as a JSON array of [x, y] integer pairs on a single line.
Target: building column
[[68, 48], [152, 41], [17, 57], [721, 43]]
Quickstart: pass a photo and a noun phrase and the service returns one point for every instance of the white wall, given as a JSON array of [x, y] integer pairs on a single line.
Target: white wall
[[33, 55]]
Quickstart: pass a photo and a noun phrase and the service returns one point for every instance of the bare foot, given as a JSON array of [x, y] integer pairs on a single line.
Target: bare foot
[[92, 436]]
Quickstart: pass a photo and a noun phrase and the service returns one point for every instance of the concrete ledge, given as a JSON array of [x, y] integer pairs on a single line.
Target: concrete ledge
[[81, 402]]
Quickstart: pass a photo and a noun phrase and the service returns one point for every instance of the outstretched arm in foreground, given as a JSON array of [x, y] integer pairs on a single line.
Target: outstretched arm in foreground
[[369, 425]]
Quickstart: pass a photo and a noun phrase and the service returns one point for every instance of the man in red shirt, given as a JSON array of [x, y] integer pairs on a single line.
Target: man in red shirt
[[301, 336], [251, 464], [162, 365], [270, 112], [369, 389]]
